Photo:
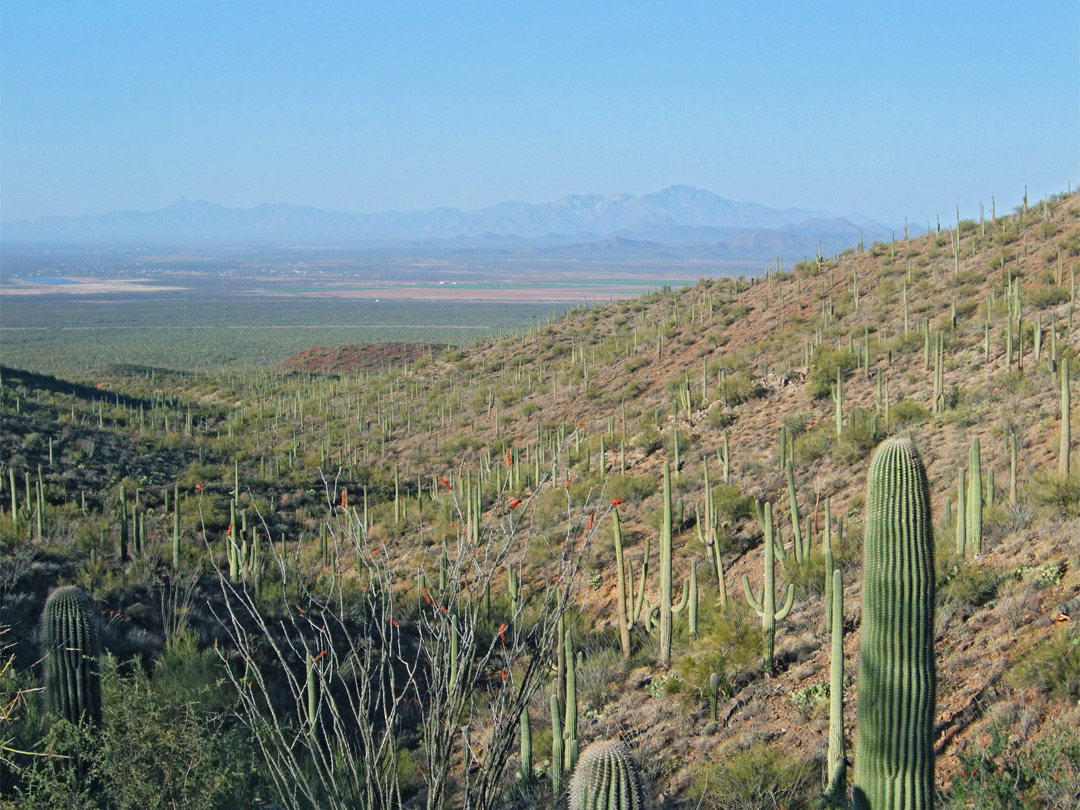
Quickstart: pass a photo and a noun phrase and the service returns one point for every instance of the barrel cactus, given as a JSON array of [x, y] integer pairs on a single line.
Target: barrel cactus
[[894, 751], [607, 778], [71, 649]]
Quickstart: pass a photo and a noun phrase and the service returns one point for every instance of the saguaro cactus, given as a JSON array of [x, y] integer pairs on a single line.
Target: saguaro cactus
[[1066, 416], [665, 574], [836, 765], [975, 499], [71, 649], [764, 603], [894, 752], [607, 778]]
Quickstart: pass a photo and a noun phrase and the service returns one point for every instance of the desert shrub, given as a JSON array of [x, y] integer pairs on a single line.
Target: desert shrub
[[649, 441], [814, 444], [1048, 296], [1007, 775], [966, 584], [738, 387], [823, 367], [631, 488], [856, 442], [761, 776], [731, 504], [1052, 666], [906, 412], [1059, 495]]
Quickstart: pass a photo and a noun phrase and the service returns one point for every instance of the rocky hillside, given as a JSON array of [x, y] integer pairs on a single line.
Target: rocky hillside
[[947, 338]]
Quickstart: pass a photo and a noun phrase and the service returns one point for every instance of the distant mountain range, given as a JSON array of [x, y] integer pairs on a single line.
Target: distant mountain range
[[679, 222]]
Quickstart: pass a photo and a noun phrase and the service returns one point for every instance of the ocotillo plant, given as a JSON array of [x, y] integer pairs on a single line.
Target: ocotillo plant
[[71, 650], [764, 604], [607, 778], [894, 754]]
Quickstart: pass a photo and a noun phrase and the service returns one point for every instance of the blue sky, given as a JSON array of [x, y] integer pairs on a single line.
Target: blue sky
[[884, 109]]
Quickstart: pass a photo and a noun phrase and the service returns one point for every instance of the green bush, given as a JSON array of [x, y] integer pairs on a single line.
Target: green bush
[[1052, 666], [906, 412], [821, 376], [967, 584], [1006, 775], [761, 776]]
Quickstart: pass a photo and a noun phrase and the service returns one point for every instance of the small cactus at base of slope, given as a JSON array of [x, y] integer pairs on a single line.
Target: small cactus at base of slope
[[71, 648], [894, 754], [607, 778]]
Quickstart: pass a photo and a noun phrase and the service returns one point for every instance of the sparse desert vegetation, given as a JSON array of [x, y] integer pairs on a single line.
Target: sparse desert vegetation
[[437, 578]]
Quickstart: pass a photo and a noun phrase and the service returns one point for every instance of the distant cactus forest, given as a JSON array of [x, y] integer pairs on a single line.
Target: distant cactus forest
[[809, 539]]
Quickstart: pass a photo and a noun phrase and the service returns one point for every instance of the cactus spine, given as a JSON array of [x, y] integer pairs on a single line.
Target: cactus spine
[[764, 603], [71, 649], [607, 778], [894, 759]]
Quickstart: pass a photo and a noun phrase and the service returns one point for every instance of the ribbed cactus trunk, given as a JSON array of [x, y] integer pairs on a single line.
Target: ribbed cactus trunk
[[894, 751], [665, 574], [607, 778], [836, 765], [71, 650], [1066, 418]]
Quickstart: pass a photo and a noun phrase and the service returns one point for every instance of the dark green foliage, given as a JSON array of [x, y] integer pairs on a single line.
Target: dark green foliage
[[894, 758], [821, 376], [1052, 666], [71, 647], [761, 776], [1008, 775]]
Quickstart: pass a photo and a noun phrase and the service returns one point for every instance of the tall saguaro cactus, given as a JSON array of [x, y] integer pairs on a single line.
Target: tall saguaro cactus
[[764, 603], [665, 574], [894, 751], [1066, 416], [607, 778], [71, 650]]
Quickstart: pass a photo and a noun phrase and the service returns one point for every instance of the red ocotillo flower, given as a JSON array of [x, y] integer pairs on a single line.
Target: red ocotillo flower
[[617, 501], [514, 502]]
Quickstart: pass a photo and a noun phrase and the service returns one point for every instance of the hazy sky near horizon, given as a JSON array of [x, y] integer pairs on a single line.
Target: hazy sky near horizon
[[882, 109]]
